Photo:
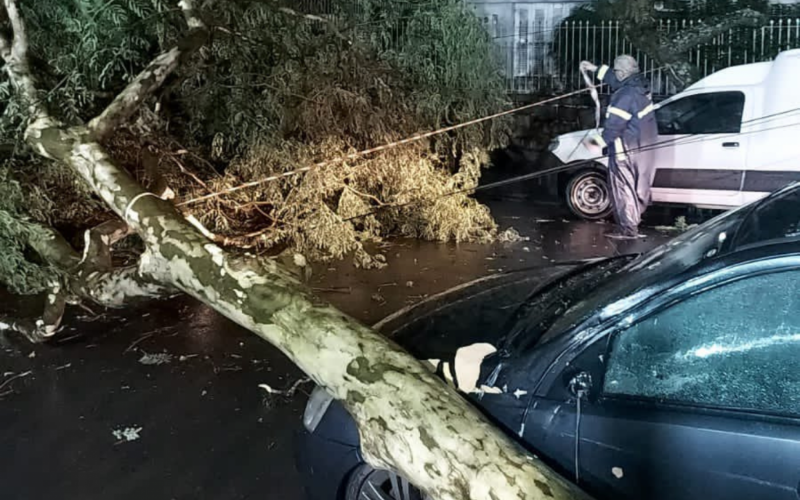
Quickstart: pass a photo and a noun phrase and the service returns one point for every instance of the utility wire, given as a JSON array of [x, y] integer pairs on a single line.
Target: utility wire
[[377, 149], [390, 145]]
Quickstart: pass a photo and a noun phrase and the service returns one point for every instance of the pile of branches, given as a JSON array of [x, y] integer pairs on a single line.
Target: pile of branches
[[275, 89]]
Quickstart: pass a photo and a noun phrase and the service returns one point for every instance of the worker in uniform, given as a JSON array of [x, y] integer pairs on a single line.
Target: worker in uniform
[[630, 126]]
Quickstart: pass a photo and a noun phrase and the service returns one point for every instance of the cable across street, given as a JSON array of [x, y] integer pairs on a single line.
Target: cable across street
[[417, 137], [378, 149], [394, 144]]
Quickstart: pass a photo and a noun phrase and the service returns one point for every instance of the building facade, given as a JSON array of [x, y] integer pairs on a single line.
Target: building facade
[[523, 31]]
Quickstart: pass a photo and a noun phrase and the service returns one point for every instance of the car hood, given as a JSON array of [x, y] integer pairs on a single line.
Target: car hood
[[477, 311]]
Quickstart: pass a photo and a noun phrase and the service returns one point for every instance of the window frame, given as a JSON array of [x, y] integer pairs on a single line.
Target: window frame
[[671, 298], [678, 99]]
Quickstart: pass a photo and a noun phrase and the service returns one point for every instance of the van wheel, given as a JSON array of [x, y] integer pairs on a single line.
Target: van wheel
[[588, 195]]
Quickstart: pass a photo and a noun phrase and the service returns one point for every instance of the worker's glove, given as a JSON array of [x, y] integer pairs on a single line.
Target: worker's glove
[[587, 66]]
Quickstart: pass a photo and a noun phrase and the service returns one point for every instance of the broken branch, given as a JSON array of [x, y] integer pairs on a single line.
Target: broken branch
[[689, 38], [152, 77]]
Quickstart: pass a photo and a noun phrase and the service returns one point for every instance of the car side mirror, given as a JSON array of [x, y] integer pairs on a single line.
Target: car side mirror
[[580, 385]]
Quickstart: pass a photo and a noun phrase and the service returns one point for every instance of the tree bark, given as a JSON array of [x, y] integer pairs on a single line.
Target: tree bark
[[409, 420]]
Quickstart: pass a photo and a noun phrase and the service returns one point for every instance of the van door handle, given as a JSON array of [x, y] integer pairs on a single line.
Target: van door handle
[[730, 144]]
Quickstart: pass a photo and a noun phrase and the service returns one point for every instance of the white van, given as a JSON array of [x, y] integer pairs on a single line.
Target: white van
[[729, 139]]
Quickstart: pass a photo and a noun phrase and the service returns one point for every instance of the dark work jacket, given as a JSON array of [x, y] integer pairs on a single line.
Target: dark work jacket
[[630, 126]]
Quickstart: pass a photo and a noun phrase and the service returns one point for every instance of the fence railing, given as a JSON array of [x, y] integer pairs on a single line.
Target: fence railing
[[540, 53], [532, 66]]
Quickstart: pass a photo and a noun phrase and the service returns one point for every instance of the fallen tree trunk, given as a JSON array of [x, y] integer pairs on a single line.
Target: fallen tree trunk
[[409, 420]]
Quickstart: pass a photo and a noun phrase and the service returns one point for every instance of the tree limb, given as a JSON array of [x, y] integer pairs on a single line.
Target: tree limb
[[670, 50], [152, 77], [312, 17], [686, 39], [47, 325], [15, 55], [408, 419], [88, 277]]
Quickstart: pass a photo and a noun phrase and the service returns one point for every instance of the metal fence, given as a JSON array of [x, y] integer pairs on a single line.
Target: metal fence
[[533, 67], [539, 52]]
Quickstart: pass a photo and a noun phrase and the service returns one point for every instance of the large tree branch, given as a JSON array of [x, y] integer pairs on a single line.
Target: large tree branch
[[686, 39], [15, 55], [409, 420], [670, 50], [152, 77]]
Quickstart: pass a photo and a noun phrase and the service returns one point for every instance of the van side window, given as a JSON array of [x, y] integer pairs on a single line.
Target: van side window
[[711, 113], [734, 346]]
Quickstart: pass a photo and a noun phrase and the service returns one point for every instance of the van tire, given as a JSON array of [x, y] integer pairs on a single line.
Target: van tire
[[588, 195]]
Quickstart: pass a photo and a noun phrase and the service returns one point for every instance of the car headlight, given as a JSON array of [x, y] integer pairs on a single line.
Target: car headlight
[[317, 405], [553, 145]]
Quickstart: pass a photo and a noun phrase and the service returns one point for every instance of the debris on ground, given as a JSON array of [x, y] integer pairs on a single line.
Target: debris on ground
[[161, 358], [13, 378], [127, 434], [378, 298], [680, 226], [336, 289], [511, 235], [147, 335], [300, 260], [409, 284], [287, 392]]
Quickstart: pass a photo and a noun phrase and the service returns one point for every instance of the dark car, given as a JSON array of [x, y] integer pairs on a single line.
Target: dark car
[[669, 375]]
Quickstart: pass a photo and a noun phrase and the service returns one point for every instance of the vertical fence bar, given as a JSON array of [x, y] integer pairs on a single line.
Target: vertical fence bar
[[583, 43], [572, 59], [594, 43], [797, 30], [730, 47]]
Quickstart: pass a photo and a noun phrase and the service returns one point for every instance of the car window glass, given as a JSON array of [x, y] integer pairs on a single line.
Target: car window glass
[[711, 113], [734, 346], [774, 219]]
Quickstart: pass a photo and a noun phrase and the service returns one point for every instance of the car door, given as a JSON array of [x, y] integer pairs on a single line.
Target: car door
[[700, 155], [699, 399]]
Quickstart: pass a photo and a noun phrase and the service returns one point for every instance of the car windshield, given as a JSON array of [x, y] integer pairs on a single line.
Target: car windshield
[[607, 288], [634, 281], [613, 286]]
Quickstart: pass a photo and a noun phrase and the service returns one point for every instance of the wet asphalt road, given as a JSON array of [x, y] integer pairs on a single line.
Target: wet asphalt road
[[87, 418]]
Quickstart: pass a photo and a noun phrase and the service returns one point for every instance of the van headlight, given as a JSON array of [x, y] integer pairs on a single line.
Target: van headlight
[[553, 145], [317, 405]]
